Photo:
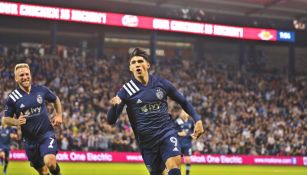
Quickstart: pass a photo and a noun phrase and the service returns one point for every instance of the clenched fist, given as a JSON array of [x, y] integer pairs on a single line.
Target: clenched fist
[[22, 119], [116, 100]]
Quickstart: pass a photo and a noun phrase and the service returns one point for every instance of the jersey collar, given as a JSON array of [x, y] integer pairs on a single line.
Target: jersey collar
[[141, 84]]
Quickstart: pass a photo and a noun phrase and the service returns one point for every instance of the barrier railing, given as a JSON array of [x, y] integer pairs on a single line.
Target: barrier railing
[[134, 157]]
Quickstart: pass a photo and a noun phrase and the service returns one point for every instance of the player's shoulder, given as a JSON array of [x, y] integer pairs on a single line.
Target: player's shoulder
[[14, 95], [158, 80], [39, 87], [130, 88], [157, 77], [162, 82]]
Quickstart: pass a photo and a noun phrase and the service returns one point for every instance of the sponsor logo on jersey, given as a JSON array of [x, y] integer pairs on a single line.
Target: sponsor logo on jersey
[[150, 107], [33, 111]]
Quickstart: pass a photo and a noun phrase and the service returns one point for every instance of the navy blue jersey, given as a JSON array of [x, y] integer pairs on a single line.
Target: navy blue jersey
[[33, 105], [147, 109], [5, 137], [187, 127]]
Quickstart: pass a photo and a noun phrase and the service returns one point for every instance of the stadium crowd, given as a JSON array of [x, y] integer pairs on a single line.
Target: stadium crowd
[[243, 112]]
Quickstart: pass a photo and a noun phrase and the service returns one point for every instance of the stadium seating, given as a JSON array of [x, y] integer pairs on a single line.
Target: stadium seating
[[244, 112]]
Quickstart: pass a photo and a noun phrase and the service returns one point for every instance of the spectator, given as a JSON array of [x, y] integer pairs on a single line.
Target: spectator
[[244, 113]]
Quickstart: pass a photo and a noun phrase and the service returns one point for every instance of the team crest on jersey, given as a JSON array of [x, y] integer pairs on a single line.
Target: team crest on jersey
[[159, 94], [39, 99]]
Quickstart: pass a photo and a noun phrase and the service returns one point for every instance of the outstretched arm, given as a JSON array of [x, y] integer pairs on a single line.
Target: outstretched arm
[[187, 107], [13, 121], [115, 110], [182, 101]]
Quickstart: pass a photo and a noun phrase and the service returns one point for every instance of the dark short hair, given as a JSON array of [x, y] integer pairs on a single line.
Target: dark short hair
[[139, 52]]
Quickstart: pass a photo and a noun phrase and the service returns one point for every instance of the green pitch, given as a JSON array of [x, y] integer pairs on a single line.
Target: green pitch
[[23, 168]]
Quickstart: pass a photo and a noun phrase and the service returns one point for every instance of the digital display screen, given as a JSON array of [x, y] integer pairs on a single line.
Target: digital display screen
[[143, 22]]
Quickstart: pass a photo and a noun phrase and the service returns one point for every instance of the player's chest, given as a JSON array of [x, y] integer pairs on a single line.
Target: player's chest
[[31, 101], [148, 95]]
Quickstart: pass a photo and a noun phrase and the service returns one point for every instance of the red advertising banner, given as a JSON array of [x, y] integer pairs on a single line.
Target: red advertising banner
[[133, 157], [141, 22]]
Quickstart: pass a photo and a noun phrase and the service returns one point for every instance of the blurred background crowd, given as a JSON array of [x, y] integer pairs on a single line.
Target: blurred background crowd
[[245, 111]]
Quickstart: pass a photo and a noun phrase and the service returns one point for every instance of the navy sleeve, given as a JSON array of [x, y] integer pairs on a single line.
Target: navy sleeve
[[9, 108], [122, 94], [115, 111], [49, 95], [192, 129], [180, 99]]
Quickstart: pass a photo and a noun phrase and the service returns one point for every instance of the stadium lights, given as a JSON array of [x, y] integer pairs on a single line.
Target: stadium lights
[[186, 13], [299, 25]]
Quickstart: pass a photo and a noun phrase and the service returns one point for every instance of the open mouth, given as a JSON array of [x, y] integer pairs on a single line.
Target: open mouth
[[138, 70], [26, 82]]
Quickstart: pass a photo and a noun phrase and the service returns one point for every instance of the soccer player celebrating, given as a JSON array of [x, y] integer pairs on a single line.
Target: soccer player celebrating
[[185, 127], [28, 103], [6, 134], [146, 99]]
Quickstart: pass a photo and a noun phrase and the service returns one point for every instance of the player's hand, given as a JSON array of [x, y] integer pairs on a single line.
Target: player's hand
[[182, 134], [116, 100], [198, 129], [22, 119], [57, 120]]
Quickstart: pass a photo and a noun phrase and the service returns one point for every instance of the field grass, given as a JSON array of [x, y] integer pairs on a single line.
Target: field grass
[[23, 168]]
